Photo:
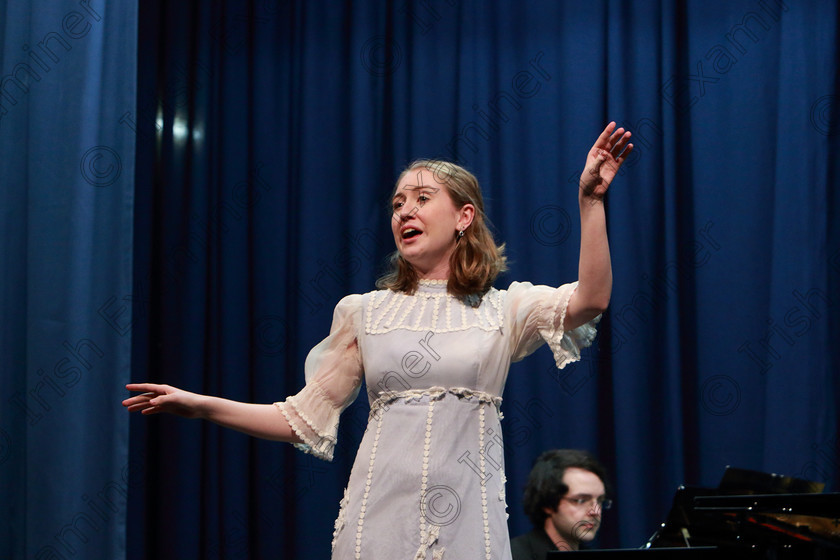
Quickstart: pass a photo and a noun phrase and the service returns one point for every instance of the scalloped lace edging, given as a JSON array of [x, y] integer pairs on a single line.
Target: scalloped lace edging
[[341, 519], [323, 448], [566, 346]]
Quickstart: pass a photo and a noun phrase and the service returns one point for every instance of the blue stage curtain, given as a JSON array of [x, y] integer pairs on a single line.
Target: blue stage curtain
[[269, 137], [67, 77]]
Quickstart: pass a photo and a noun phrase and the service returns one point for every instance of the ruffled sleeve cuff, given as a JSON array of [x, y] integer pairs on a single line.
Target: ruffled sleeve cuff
[[319, 427], [333, 371], [565, 346]]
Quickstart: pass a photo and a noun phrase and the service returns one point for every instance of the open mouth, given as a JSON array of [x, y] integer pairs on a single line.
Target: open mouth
[[409, 233]]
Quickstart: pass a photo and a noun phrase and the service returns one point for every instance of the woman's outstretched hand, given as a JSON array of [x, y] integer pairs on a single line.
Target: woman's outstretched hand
[[164, 398], [259, 420], [603, 161]]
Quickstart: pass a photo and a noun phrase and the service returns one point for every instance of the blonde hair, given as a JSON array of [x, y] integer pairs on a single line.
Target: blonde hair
[[477, 260]]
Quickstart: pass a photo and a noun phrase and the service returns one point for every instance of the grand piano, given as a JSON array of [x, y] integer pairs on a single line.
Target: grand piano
[[750, 514]]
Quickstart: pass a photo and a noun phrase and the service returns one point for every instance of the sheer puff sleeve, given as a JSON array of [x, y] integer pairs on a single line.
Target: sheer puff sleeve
[[536, 315], [333, 377]]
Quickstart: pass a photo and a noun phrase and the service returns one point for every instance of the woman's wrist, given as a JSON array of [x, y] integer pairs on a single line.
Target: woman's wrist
[[206, 407], [589, 202]]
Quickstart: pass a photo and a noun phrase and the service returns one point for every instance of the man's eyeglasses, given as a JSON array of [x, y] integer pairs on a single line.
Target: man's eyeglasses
[[581, 501]]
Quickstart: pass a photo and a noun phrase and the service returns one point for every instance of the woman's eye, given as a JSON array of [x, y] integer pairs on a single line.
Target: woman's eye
[[397, 205], [422, 198]]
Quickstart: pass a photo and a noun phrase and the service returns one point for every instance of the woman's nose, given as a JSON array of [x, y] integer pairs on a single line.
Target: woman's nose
[[400, 215], [406, 212]]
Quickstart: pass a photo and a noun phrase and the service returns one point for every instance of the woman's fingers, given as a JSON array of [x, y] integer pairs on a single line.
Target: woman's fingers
[[620, 159], [139, 407], [620, 144], [604, 138], [147, 402], [147, 387]]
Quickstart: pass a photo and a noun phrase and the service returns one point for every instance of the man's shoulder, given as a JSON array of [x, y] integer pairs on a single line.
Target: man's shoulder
[[532, 545]]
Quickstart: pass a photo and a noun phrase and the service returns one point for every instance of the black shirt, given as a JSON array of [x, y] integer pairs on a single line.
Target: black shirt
[[531, 546]]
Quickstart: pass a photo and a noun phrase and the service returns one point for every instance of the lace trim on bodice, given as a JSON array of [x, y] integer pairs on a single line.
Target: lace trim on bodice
[[431, 308]]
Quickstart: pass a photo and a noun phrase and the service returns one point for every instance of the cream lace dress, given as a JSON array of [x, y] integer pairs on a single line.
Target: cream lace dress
[[428, 480]]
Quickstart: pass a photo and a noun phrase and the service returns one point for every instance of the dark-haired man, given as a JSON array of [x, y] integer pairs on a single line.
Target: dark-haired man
[[564, 497]]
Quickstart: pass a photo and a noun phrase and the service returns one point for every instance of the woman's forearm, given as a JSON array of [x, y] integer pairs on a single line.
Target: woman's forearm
[[259, 420], [594, 268]]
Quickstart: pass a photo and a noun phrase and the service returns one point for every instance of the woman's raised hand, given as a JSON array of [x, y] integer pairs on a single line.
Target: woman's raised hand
[[603, 161]]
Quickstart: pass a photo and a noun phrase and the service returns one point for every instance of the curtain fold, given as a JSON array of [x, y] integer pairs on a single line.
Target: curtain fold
[[67, 78]]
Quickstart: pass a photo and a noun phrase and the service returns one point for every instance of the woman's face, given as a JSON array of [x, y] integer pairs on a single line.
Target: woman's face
[[425, 222]]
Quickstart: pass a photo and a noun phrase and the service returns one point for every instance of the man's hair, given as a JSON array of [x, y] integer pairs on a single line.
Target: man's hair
[[545, 484]]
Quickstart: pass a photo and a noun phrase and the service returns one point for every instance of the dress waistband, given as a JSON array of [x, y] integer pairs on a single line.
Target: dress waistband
[[435, 393]]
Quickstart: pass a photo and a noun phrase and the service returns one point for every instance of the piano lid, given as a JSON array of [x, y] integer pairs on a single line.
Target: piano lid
[[751, 509], [744, 481]]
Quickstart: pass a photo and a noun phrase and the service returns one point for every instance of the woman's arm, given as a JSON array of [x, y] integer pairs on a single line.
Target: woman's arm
[[594, 269], [259, 420]]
